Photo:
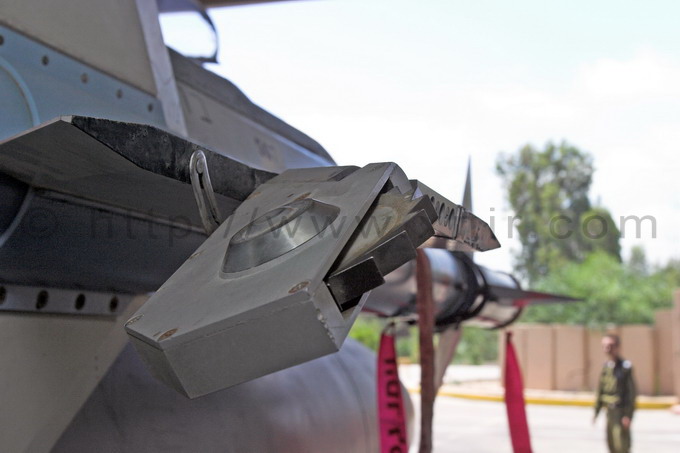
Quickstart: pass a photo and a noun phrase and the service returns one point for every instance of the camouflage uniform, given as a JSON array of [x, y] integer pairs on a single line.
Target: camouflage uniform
[[616, 392]]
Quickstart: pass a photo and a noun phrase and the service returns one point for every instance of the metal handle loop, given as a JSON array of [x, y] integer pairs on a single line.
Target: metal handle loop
[[203, 192]]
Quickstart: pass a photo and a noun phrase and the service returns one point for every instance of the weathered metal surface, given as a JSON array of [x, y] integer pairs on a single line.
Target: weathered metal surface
[[397, 224], [387, 238], [168, 155], [96, 220], [456, 228], [125, 165], [280, 282], [232, 327]]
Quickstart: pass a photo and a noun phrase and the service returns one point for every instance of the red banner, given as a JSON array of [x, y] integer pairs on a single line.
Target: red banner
[[514, 400], [391, 415]]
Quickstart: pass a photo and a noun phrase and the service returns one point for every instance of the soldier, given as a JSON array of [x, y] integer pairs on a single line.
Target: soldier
[[616, 392]]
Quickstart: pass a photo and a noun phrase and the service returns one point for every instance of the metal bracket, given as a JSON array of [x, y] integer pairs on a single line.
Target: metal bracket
[[283, 279], [217, 322], [456, 228], [203, 191]]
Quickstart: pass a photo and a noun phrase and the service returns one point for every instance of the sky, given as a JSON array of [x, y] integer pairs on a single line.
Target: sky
[[428, 83]]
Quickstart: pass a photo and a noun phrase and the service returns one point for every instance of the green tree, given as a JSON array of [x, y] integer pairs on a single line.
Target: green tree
[[477, 346], [548, 190], [598, 232], [638, 260], [367, 330], [612, 292]]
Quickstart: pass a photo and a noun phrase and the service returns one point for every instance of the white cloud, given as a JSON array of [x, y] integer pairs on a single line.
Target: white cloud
[[429, 110], [647, 74], [626, 112]]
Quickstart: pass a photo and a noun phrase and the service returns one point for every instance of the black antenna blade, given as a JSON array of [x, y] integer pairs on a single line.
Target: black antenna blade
[[467, 192]]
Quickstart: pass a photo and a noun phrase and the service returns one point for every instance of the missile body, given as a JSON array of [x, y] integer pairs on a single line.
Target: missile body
[[464, 293]]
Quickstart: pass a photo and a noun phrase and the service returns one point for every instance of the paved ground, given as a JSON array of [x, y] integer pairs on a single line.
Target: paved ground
[[481, 427], [410, 374], [483, 382]]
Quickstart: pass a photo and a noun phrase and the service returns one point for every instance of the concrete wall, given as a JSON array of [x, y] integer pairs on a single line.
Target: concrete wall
[[539, 365], [562, 357], [594, 357], [675, 343], [570, 352], [638, 346], [664, 351]]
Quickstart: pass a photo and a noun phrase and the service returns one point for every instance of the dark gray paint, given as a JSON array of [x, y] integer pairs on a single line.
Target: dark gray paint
[[326, 405], [64, 244]]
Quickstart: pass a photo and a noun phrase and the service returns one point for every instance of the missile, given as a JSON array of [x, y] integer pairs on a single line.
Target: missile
[[464, 293]]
